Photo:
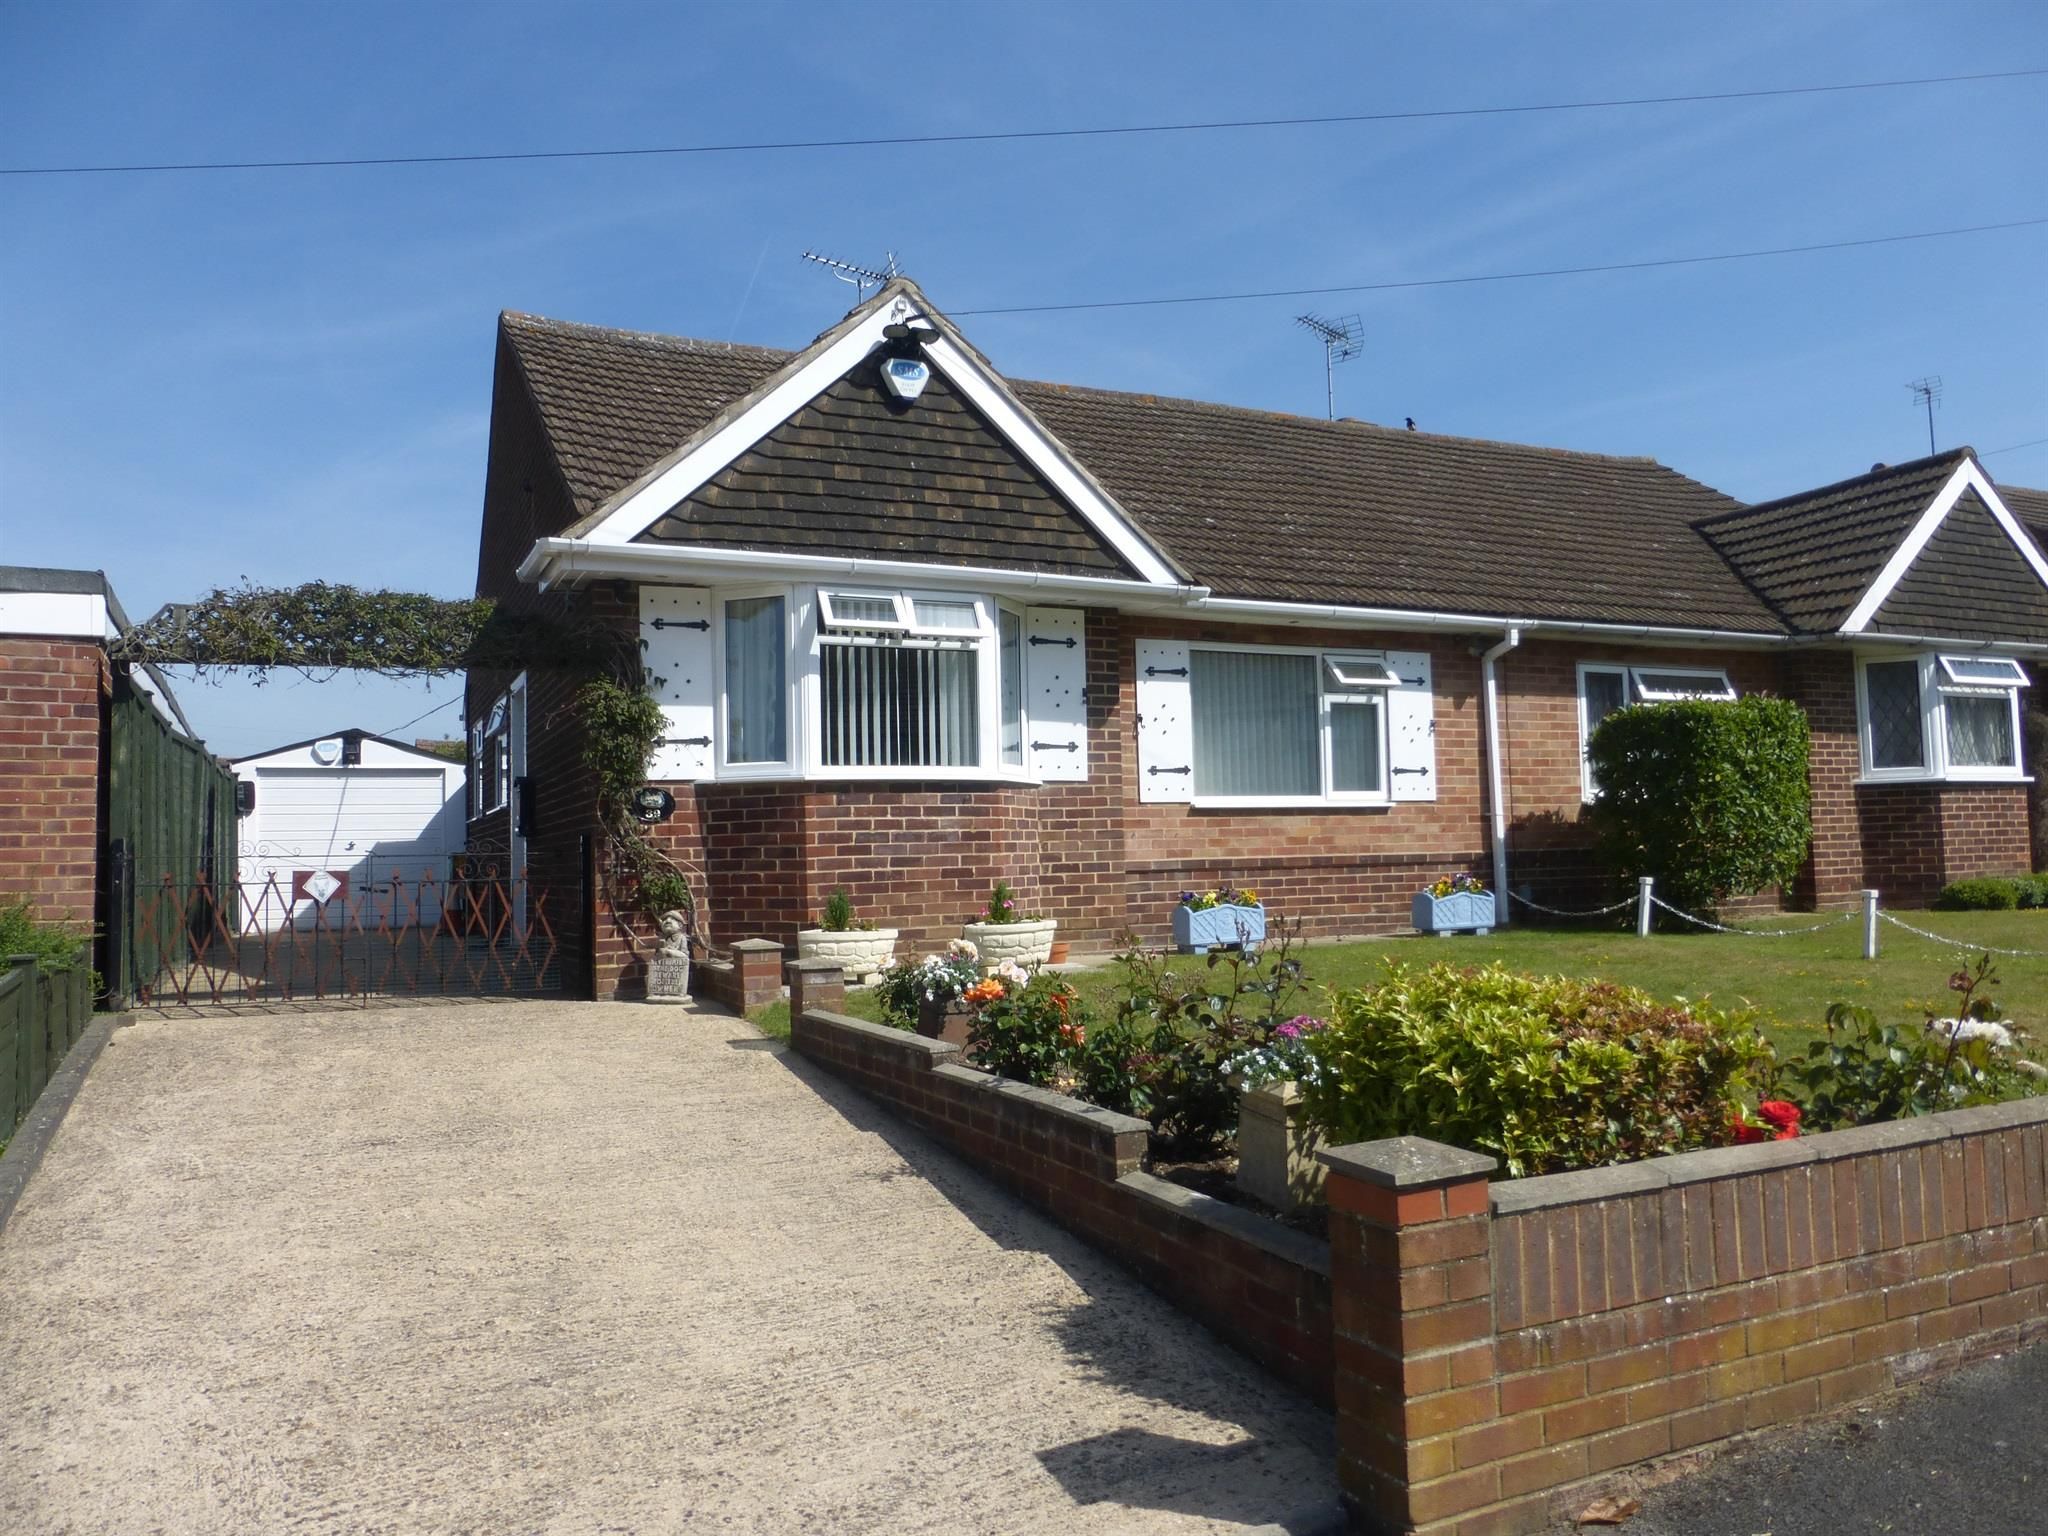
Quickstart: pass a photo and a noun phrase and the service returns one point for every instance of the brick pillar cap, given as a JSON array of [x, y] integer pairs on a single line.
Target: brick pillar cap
[[757, 946], [1405, 1162], [812, 966]]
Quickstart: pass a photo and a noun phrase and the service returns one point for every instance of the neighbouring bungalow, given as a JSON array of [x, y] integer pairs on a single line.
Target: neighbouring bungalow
[[915, 625]]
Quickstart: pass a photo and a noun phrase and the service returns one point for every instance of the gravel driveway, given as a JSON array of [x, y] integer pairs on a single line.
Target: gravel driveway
[[558, 1268]]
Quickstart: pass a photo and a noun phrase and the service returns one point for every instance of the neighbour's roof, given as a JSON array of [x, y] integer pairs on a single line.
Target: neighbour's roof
[[2029, 506], [1250, 503], [1811, 556], [353, 731]]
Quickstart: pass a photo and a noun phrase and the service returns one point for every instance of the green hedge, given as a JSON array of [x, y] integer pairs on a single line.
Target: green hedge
[[1709, 797], [1994, 893]]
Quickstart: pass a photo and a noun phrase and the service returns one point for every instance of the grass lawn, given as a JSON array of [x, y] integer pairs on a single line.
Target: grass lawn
[[1792, 980]]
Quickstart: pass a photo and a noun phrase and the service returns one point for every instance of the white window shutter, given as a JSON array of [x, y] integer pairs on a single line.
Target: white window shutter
[[1055, 693], [1166, 723], [1411, 728], [676, 650]]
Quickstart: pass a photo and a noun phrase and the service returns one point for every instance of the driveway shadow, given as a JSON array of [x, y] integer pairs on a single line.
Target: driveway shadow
[[1217, 1482]]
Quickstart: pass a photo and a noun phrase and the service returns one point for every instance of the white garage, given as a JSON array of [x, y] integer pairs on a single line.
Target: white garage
[[354, 823]]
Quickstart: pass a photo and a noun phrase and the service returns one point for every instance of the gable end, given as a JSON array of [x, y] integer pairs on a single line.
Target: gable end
[[1970, 581]]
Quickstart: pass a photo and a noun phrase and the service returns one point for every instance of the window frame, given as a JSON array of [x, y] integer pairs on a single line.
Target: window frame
[[1633, 692], [1327, 698], [496, 726], [790, 764], [1937, 686]]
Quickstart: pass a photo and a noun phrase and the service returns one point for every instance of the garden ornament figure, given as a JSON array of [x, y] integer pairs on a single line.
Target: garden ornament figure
[[668, 974]]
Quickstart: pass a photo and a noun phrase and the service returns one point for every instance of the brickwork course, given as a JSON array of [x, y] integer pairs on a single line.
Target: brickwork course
[[51, 711]]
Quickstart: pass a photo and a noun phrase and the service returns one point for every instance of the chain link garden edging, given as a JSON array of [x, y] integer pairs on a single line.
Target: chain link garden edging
[[1536, 906], [1754, 933], [1942, 938]]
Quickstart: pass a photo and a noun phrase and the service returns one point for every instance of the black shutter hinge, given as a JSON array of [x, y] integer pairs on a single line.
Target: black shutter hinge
[[1181, 770], [1411, 770], [1166, 671], [1055, 746], [687, 741], [682, 623], [1069, 642]]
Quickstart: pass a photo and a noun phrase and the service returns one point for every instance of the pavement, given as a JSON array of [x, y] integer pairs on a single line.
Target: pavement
[[1963, 1456], [564, 1268]]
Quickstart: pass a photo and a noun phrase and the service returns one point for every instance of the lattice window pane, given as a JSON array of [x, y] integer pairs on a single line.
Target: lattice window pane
[[1892, 692], [1979, 731]]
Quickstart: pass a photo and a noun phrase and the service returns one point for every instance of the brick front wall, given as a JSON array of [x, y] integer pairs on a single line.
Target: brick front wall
[[52, 699]]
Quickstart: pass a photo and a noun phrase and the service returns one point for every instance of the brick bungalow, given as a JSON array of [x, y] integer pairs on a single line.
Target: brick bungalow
[[915, 626]]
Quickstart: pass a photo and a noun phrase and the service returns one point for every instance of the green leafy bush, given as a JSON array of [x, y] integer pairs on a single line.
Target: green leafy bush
[[56, 947], [1030, 1032], [1546, 1073], [1710, 797], [838, 914], [1865, 1072], [1994, 893]]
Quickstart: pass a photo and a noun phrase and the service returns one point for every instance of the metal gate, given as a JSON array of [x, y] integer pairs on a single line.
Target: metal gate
[[352, 936]]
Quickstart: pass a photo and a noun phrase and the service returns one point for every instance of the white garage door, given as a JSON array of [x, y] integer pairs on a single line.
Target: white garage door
[[382, 827]]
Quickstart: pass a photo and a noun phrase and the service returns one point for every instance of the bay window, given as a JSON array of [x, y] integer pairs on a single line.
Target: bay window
[[1940, 717], [1277, 725]]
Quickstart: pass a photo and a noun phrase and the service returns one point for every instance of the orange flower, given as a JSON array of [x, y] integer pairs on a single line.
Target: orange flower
[[987, 990]]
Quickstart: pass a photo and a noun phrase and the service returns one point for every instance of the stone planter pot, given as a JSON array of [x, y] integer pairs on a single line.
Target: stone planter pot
[[859, 952], [945, 1019], [1276, 1148], [1230, 926], [1028, 943], [1444, 915]]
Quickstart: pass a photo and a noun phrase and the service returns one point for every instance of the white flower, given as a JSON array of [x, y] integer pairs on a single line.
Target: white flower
[[1013, 973], [963, 949], [1973, 1029]]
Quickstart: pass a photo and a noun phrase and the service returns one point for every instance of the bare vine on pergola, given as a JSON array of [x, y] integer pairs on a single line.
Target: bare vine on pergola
[[323, 628]]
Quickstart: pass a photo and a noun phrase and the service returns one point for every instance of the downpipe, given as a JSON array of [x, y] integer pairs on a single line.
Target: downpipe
[[1496, 780]]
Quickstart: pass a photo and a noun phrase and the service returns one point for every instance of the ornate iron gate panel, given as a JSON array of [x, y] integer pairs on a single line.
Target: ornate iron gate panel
[[332, 936]]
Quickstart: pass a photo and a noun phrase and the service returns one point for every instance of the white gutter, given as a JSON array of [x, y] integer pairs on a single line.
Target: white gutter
[[553, 560], [1416, 618], [1496, 786]]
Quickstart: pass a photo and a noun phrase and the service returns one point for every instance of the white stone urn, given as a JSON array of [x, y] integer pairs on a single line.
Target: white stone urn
[[860, 952], [1028, 942]]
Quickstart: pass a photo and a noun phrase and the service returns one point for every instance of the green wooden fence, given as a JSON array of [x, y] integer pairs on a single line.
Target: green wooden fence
[[170, 815], [42, 1014]]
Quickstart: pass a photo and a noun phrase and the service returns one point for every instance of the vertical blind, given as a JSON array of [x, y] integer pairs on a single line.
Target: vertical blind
[[756, 692], [1257, 720], [1011, 665], [1355, 747], [887, 706], [1979, 730]]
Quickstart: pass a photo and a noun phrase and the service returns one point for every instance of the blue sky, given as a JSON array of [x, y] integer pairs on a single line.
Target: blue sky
[[286, 375]]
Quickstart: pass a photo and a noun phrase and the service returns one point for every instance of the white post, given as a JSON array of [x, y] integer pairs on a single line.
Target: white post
[[1870, 925], [1643, 888]]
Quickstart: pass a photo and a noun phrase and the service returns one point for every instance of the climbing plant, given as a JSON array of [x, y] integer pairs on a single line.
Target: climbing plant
[[621, 728], [328, 627]]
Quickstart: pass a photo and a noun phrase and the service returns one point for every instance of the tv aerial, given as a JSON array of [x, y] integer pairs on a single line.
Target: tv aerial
[[1342, 339], [1928, 392], [862, 278]]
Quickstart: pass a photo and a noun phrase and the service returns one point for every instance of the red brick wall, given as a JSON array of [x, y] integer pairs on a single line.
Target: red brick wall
[[52, 702], [1492, 1372], [1918, 837]]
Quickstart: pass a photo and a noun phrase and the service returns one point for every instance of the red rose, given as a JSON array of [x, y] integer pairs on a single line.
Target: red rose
[[1781, 1116], [1745, 1133]]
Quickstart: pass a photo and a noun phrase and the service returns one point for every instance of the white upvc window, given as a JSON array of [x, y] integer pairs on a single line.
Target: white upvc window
[[1276, 726], [1939, 717], [905, 680], [754, 629], [1605, 687], [490, 759]]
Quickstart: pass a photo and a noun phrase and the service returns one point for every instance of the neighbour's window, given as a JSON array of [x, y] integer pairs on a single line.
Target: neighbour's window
[[900, 681], [490, 760], [1941, 717], [756, 680], [1283, 725], [1604, 689]]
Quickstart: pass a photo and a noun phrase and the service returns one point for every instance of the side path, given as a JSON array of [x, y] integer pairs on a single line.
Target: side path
[[532, 1267]]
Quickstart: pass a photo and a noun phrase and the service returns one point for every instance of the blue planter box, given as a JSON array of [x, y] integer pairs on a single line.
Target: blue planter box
[[1453, 914], [1196, 931]]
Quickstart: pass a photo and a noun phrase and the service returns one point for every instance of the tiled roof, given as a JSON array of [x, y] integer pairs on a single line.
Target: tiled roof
[[1256, 504], [1811, 556], [2029, 506]]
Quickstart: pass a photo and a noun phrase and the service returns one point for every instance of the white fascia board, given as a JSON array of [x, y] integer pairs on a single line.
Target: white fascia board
[[552, 561], [1968, 477], [1046, 455], [56, 615], [1254, 610], [1949, 643]]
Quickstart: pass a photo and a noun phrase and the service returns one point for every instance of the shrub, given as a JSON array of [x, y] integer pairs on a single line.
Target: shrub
[[1865, 1072], [56, 947], [935, 978], [1545, 1073], [1994, 893], [838, 914], [1168, 1054], [1710, 797], [1027, 1028]]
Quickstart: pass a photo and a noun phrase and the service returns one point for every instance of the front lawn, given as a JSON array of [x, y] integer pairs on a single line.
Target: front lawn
[[1792, 980]]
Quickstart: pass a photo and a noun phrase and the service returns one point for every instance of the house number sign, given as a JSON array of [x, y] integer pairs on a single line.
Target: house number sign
[[652, 803]]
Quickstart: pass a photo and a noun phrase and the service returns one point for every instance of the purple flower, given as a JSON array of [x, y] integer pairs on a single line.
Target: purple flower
[[1302, 1024], [1288, 1031]]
